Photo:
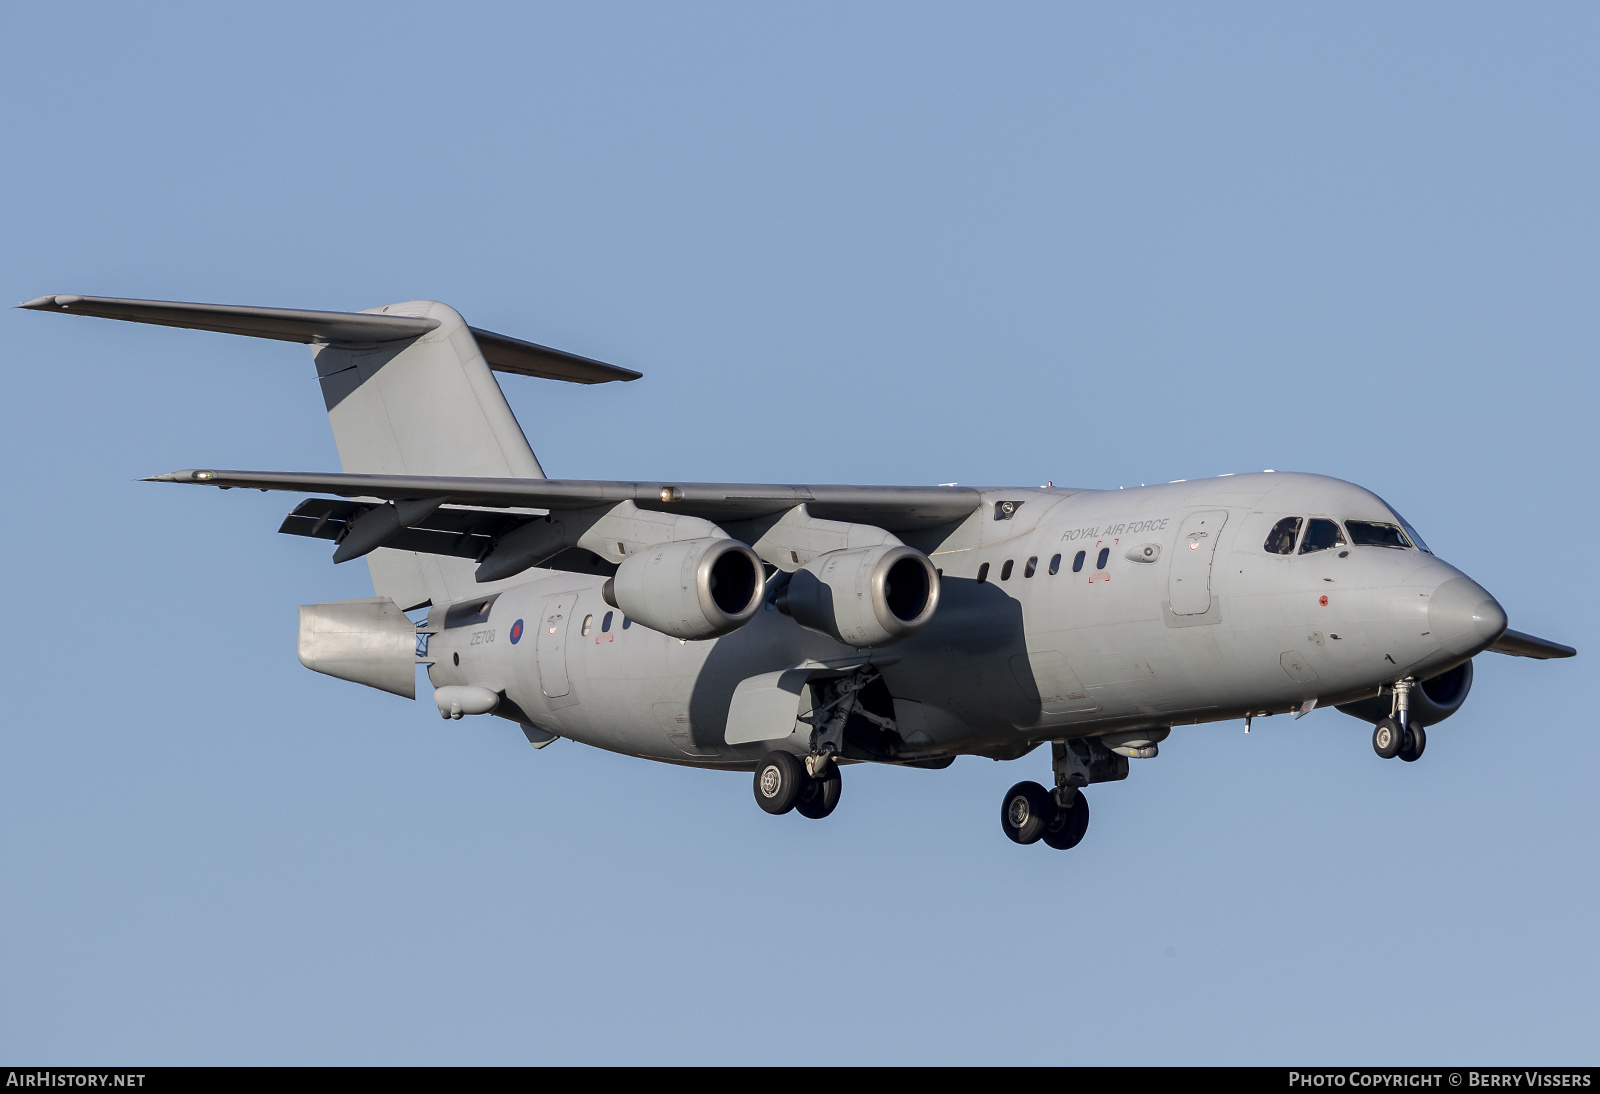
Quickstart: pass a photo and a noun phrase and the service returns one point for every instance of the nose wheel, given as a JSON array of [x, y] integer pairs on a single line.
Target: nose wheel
[[1390, 739], [1415, 742]]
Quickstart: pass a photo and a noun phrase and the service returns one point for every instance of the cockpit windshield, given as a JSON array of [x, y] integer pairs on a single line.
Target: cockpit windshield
[[1321, 535], [1411, 533], [1370, 533], [1280, 541]]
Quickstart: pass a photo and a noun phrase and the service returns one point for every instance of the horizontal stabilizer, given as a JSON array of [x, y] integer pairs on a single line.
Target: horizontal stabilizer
[[893, 508], [338, 328], [284, 324], [1518, 644], [507, 354]]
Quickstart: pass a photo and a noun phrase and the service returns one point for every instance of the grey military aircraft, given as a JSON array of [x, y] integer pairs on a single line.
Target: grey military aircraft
[[792, 630]]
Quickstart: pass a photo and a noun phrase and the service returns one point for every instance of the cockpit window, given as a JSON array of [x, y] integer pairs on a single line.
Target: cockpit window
[[1411, 533], [1280, 541], [1369, 533], [1320, 535]]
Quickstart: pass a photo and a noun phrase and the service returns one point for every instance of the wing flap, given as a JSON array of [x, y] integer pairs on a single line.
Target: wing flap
[[458, 533]]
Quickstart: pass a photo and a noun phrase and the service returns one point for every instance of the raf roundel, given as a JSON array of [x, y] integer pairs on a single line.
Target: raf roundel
[[516, 632]]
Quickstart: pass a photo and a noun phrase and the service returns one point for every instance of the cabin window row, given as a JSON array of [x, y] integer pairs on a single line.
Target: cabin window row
[[1030, 567], [1322, 535]]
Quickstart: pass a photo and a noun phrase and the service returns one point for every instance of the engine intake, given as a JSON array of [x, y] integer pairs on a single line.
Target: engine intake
[[868, 597], [1432, 701], [698, 588]]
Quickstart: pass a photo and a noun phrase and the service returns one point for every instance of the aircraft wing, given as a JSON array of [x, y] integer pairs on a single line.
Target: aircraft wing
[[1518, 644], [892, 508]]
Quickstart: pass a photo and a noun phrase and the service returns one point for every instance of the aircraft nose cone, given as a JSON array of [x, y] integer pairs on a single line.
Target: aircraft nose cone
[[1463, 617]]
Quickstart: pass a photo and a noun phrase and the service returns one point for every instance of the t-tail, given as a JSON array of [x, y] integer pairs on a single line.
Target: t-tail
[[409, 390]]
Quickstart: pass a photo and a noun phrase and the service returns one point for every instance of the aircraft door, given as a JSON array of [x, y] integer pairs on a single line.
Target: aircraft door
[[552, 645], [1189, 575]]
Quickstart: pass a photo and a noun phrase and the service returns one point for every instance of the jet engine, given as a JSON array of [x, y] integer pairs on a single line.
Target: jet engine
[[1432, 701], [697, 588], [868, 597]]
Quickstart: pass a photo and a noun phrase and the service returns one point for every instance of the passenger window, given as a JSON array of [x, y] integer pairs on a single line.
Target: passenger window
[[626, 622], [1033, 564], [983, 573], [1320, 535], [1100, 563], [1005, 570], [1055, 565], [1280, 541], [588, 621], [605, 624], [1077, 562], [1369, 533]]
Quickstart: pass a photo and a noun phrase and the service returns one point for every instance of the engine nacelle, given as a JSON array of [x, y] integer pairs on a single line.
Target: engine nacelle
[[1432, 701], [868, 597], [697, 588]]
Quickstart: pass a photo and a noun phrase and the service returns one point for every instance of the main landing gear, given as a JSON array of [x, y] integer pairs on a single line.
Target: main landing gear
[[1029, 813], [1398, 735], [782, 783]]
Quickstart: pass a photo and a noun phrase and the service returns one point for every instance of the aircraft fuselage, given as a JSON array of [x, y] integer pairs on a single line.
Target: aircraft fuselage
[[1073, 613]]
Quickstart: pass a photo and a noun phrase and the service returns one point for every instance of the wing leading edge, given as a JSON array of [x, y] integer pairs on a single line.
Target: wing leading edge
[[1519, 644], [893, 508]]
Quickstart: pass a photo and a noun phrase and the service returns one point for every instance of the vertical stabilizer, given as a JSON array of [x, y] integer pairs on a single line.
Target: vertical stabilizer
[[423, 406]]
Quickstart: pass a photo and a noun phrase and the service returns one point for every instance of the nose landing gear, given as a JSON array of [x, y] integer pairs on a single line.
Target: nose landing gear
[[1398, 735]]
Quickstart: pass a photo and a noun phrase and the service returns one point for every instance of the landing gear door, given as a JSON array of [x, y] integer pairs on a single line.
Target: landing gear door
[[1189, 577], [552, 644]]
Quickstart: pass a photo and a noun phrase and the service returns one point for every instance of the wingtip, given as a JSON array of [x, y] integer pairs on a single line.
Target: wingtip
[[181, 476], [38, 303]]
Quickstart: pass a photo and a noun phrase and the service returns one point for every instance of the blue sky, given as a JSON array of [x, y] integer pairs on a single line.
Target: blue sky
[[994, 244]]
